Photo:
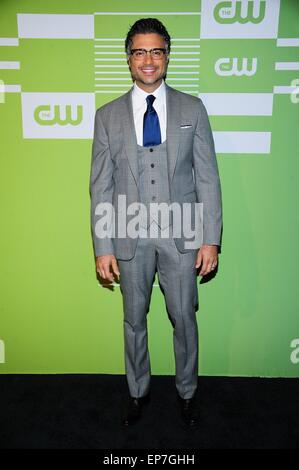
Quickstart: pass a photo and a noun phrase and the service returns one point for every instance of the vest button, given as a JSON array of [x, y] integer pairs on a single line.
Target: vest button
[[153, 198], [151, 150], [153, 181], [152, 165]]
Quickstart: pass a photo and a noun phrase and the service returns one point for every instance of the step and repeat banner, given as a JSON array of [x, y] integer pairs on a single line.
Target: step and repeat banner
[[60, 61]]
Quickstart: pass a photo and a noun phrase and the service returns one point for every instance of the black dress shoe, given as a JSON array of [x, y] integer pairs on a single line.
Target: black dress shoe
[[133, 409], [189, 411]]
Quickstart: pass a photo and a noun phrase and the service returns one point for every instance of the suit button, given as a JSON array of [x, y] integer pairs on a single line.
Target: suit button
[[153, 198], [152, 165], [151, 150], [153, 181]]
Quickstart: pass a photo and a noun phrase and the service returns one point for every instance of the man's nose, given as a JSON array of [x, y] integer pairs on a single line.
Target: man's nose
[[148, 58]]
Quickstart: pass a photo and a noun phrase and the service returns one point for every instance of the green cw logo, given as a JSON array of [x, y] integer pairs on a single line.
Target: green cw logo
[[225, 13], [44, 117]]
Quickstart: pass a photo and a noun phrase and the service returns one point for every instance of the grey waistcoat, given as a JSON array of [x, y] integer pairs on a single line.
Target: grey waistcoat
[[153, 181]]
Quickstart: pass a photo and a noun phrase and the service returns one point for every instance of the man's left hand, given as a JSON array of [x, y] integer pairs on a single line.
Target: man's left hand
[[207, 257]]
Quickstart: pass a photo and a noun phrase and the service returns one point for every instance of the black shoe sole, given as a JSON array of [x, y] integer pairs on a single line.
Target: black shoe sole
[[144, 402]]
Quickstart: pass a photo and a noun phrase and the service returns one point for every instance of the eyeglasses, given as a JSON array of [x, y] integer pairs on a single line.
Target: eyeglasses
[[157, 53]]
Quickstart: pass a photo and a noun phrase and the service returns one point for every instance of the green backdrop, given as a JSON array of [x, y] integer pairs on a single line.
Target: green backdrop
[[242, 59]]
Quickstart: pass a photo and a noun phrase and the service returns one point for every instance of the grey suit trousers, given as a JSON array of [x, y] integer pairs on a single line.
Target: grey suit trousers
[[178, 282]]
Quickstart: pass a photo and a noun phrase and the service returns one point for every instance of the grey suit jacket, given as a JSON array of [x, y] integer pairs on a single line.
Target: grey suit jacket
[[192, 165]]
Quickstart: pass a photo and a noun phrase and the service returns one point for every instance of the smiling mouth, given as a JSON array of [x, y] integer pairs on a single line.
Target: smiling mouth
[[148, 70]]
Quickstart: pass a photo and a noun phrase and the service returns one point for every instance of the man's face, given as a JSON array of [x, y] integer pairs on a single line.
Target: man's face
[[148, 72]]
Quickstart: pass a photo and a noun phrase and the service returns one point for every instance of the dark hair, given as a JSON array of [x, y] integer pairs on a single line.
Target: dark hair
[[144, 26]]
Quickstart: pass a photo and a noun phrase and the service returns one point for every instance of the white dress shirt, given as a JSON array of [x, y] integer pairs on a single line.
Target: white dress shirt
[[140, 106]]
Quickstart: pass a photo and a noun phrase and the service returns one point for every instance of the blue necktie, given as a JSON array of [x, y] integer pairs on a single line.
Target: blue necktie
[[151, 125]]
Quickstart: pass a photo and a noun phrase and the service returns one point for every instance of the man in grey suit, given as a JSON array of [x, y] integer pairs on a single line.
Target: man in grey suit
[[154, 145]]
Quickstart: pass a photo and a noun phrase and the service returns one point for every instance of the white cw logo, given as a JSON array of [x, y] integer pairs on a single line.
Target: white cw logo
[[228, 66], [58, 115], [239, 19], [295, 353], [2, 352]]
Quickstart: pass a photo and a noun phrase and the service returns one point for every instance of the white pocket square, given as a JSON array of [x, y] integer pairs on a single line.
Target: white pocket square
[[186, 126]]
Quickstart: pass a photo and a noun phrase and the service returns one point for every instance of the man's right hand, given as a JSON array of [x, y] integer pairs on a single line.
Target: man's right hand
[[107, 267]]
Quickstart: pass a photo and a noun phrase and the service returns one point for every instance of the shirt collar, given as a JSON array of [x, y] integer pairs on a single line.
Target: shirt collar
[[140, 94]]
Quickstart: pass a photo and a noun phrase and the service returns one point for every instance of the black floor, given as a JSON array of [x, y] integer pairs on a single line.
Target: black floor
[[83, 412]]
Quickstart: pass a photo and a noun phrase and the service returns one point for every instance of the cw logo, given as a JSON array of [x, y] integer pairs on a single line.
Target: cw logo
[[226, 66], [44, 117], [295, 353], [231, 12]]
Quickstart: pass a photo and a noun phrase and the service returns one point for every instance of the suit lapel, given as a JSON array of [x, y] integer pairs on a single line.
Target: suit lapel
[[130, 134], [172, 131], [173, 128]]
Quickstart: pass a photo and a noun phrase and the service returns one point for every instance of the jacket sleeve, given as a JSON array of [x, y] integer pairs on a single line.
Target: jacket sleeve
[[207, 179], [101, 184]]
